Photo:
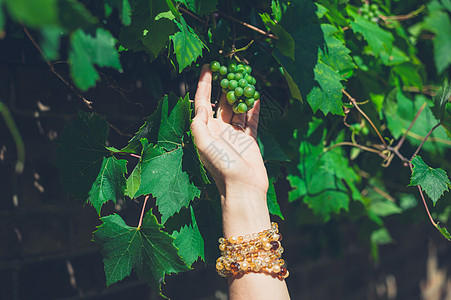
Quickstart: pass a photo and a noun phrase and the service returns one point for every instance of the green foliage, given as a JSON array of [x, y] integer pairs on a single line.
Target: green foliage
[[433, 181], [88, 51], [109, 184], [187, 45], [81, 152], [339, 153], [147, 250], [162, 175]]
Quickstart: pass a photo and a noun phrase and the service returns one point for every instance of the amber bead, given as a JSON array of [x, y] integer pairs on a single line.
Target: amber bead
[[274, 245], [240, 239], [280, 236], [283, 271], [235, 267], [276, 269]]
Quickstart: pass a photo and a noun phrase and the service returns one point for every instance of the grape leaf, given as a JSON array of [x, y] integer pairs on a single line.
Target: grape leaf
[[444, 232], [50, 41], [34, 13], [110, 183], [187, 45], [337, 55], [87, 51], [80, 152], [271, 200], [440, 101], [317, 82], [439, 23], [285, 44], [189, 241], [133, 182], [320, 176], [74, 15], [400, 111], [147, 250], [162, 175], [166, 126], [433, 181], [144, 32], [378, 39], [200, 7]]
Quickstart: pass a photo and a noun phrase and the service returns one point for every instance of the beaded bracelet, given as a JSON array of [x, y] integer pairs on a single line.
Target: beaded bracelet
[[259, 252]]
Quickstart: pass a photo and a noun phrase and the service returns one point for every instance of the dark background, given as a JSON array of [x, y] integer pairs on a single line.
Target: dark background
[[45, 236]]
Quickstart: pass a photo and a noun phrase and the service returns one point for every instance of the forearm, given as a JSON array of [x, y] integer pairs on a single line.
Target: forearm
[[244, 211]]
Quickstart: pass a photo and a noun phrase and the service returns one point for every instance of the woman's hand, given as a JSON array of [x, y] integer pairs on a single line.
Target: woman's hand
[[228, 147]]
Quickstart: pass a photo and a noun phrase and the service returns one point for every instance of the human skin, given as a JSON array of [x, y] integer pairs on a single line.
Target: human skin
[[242, 180]]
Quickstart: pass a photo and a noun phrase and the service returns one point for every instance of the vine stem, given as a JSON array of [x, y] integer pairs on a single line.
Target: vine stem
[[401, 141], [251, 27], [426, 207], [142, 211], [424, 140], [403, 138], [354, 102], [52, 68], [355, 145], [192, 15]]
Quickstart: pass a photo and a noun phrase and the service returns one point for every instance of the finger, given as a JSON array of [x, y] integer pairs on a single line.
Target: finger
[[253, 116], [203, 93], [199, 128], [239, 119], [224, 110]]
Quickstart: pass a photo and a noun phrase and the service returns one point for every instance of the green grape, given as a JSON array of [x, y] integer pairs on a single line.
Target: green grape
[[240, 68], [249, 91], [231, 68], [370, 15], [249, 78], [235, 108], [256, 95], [223, 70], [249, 101], [231, 97], [248, 69], [214, 66], [233, 84], [254, 81], [224, 83], [242, 108], [215, 76], [239, 91], [230, 76], [374, 7], [242, 82], [238, 76]]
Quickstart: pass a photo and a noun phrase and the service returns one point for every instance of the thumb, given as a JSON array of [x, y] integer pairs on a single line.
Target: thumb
[[199, 127], [201, 113]]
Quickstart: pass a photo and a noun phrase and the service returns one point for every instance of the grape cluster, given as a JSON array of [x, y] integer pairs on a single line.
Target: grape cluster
[[370, 12], [237, 83]]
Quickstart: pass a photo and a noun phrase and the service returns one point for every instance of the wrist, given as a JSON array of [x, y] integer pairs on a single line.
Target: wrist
[[244, 210]]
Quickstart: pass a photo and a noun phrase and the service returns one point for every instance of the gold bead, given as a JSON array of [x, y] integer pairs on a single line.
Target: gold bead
[[267, 246], [222, 247], [244, 265], [240, 239], [233, 239], [256, 267], [276, 268], [219, 266], [264, 240], [247, 237]]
